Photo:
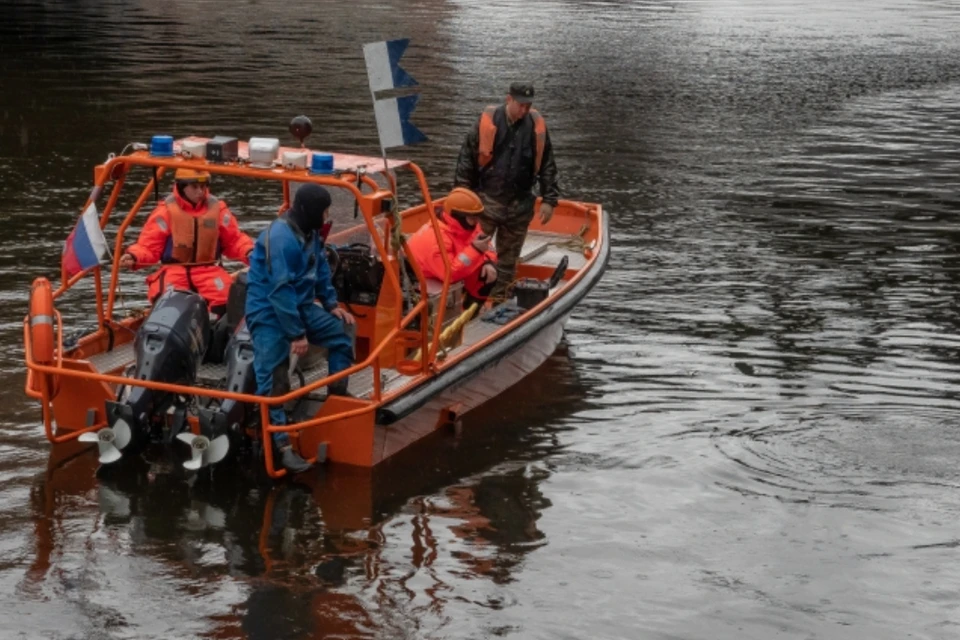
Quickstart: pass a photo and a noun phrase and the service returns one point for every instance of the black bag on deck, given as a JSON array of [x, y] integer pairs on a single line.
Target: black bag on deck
[[358, 275]]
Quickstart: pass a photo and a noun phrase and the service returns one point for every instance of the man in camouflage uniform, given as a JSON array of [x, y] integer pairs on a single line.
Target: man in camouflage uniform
[[504, 155]]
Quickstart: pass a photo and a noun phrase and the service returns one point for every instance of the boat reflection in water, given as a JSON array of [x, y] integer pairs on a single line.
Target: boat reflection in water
[[300, 558]]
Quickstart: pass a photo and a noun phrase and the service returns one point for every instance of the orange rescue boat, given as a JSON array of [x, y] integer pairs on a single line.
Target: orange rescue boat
[[420, 362]]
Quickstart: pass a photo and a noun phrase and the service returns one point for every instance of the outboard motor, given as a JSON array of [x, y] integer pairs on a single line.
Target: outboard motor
[[227, 422], [169, 347]]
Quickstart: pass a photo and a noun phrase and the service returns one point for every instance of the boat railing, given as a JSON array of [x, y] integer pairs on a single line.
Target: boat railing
[[370, 205], [42, 378]]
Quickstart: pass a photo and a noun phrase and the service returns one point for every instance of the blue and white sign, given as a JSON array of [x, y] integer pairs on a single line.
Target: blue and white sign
[[392, 113], [383, 65], [393, 121]]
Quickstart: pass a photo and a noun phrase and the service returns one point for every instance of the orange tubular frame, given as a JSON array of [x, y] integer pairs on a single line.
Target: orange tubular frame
[[40, 377]]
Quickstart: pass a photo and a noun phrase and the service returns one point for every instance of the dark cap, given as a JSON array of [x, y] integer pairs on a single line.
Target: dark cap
[[522, 92]]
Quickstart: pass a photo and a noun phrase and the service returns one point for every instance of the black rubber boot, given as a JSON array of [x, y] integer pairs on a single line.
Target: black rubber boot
[[469, 300], [338, 388], [292, 462]]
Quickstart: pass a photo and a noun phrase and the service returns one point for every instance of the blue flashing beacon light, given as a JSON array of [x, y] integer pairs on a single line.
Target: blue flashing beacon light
[[161, 146], [321, 163]]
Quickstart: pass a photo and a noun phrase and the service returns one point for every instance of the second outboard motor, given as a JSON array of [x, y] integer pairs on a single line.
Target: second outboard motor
[[219, 426], [169, 347]]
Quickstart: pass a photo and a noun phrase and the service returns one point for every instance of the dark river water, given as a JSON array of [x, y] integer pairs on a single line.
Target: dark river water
[[749, 432]]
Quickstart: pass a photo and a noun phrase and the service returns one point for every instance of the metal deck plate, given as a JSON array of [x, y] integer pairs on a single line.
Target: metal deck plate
[[359, 384], [109, 361]]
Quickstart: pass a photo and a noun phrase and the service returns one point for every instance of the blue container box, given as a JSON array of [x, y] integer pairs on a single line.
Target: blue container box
[[161, 146], [321, 163]]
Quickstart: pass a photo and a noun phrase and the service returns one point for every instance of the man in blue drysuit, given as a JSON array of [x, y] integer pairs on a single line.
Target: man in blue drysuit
[[291, 303]]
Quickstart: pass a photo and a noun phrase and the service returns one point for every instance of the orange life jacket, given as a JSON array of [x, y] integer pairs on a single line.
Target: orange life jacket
[[194, 238], [456, 242], [488, 134]]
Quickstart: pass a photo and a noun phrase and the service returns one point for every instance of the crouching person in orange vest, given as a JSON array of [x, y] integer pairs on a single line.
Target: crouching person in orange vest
[[188, 233], [472, 261]]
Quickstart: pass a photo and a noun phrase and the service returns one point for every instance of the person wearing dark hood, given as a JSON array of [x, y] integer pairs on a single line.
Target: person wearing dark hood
[[504, 156], [188, 233], [291, 304]]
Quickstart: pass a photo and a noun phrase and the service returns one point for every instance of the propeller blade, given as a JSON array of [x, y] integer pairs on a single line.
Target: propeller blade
[[217, 450], [122, 433], [203, 451], [108, 453], [198, 445], [106, 440]]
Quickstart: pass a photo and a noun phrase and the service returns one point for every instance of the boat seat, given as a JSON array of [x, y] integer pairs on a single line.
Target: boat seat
[[454, 294], [454, 300], [435, 287]]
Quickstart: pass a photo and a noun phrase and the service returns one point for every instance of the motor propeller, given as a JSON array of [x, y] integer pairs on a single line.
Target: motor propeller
[[203, 450], [110, 440]]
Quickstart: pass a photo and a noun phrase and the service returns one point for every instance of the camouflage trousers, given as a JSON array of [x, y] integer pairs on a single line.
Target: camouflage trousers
[[509, 222]]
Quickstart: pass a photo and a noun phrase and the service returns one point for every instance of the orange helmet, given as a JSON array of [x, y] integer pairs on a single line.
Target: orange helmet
[[191, 175], [462, 200]]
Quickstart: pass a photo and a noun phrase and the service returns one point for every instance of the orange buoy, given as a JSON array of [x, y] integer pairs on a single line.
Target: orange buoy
[[41, 321]]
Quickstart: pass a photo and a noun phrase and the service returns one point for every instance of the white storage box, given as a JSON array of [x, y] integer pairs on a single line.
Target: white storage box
[[263, 151], [294, 160], [193, 149]]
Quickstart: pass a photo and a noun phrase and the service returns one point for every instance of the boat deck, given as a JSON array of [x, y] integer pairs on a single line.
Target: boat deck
[[540, 249], [211, 375]]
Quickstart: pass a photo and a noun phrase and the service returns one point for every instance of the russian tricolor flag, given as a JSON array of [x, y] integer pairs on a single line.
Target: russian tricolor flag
[[392, 113], [86, 245]]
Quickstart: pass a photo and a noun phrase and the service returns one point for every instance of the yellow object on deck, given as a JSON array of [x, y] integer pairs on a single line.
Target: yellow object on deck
[[450, 333]]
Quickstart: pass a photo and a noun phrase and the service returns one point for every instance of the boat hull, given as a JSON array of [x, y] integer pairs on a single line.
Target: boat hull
[[486, 382]]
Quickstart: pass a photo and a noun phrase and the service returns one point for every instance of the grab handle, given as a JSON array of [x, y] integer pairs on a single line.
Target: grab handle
[[561, 269]]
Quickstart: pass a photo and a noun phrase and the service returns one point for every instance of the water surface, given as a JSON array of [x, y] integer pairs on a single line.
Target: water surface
[[749, 432]]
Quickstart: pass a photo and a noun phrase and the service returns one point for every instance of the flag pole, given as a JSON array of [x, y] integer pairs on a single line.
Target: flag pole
[[396, 237], [395, 218]]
